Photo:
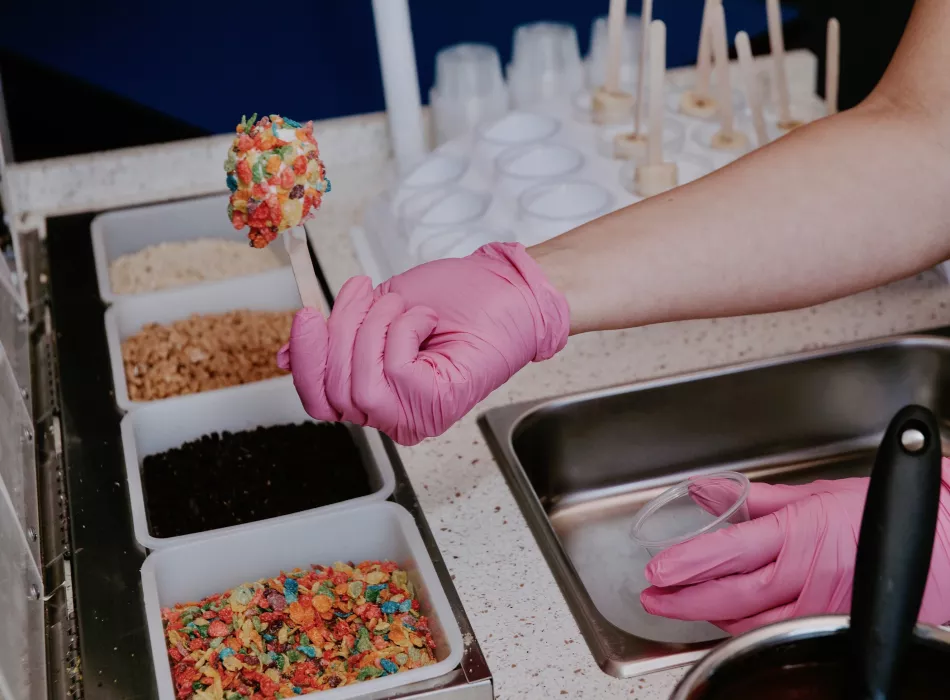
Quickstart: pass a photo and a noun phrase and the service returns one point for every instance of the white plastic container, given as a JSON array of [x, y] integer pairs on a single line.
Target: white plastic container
[[127, 231], [271, 292], [383, 531], [170, 423]]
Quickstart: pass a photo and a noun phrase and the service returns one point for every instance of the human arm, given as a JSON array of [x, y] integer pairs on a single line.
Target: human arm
[[838, 206]]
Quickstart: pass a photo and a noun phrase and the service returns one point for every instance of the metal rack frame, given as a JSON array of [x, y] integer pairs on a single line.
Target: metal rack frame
[[96, 640]]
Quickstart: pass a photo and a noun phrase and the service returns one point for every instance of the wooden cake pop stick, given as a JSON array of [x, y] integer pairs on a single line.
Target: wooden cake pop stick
[[311, 296], [699, 102], [727, 138], [832, 65], [744, 50], [610, 104], [655, 175], [646, 23], [777, 44]]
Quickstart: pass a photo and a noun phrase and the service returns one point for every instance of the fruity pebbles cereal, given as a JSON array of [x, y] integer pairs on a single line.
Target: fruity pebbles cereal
[[297, 633], [275, 175]]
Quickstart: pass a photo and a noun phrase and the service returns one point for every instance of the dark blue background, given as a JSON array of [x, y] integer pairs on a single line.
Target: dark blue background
[[209, 61]]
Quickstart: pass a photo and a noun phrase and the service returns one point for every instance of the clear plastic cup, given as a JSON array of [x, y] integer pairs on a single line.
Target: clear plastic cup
[[518, 168], [469, 89], [675, 516], [552, 208], [545, 64], [629, 53]]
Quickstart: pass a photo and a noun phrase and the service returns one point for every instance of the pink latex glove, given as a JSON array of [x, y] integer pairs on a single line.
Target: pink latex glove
[[416, 354], [795, 557]]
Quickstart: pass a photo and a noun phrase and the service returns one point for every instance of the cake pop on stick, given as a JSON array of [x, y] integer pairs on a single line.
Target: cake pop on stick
[[656, 176], [727, 138], [777, 45], [832, 65], [610, 104], [699, 102], [277, 181], [744, 50]]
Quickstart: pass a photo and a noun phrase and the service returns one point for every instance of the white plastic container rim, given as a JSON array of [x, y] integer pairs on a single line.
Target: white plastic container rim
[[272, 291], [379, 531], [176, 421], [171, 222]]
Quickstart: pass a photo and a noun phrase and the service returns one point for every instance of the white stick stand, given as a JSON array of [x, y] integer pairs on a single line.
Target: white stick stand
[[656, 176], [295, 241], [397, 61]]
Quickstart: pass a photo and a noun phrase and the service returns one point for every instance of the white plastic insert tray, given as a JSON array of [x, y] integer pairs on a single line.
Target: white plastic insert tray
[[382, 531], [170, 423], [127, 231], [271, 292]]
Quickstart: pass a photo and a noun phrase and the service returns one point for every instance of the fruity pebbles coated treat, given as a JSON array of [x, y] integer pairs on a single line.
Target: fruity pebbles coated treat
[[275, 175], [300, 632]]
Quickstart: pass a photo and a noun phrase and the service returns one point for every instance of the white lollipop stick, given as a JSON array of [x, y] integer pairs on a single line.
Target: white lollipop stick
[[657, 103], [718, 31], [616, 18], [744, 49], [832, 65], [777, 44], [705, 53], [656, 176], [295, 241], [646, 20]]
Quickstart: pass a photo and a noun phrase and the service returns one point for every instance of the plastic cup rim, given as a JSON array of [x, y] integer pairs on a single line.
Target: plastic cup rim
[[678, 491]]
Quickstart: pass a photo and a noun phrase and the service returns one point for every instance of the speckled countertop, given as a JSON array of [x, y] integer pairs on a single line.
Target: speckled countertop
[[523, 624]]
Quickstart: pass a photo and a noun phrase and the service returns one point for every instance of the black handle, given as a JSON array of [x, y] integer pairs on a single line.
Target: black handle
[[894, 550]]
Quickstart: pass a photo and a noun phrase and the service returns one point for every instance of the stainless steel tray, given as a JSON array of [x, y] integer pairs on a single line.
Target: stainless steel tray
[[582, 466], [96, 630]]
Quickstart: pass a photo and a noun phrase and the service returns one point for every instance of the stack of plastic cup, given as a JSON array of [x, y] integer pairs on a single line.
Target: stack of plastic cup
[[629, 54], [545, 64], [469, 89]]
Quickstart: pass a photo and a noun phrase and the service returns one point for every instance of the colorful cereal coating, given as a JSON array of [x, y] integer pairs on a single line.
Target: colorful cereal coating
[[275, 175], [300, 632]]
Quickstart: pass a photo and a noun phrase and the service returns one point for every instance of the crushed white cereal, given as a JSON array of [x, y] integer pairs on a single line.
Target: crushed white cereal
[[176, 264]]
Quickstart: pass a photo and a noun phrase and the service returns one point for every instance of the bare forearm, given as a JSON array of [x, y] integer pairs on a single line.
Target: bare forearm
[[843, 205], [839, 206]]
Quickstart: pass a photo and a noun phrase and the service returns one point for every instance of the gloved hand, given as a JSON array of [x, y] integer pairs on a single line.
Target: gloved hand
[[795, 557], [413, 356]]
